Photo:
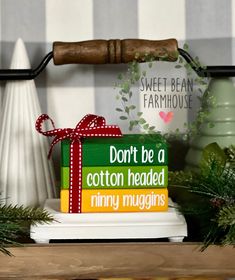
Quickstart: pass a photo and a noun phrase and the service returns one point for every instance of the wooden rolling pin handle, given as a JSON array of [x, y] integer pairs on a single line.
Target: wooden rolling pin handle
[[113, 51]]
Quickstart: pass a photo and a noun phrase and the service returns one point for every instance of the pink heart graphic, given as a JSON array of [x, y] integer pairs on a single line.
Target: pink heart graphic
[[166, 117]]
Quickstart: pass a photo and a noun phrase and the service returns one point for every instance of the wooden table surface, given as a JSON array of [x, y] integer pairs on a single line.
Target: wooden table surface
[[134, 259]]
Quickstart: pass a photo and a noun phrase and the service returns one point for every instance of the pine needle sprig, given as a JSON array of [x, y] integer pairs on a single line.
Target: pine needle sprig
[[215, 185], [9, 233], [213, 203], [20, 214], [230, 153], [226, 216], [230, 236], [15, 221], [179, 178], [192, 209]]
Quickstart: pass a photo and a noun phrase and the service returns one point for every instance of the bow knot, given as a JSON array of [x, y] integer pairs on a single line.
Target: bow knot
[[89, 126]]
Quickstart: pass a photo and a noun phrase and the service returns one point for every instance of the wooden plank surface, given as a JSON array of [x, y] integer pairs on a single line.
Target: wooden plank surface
[[90, 261]]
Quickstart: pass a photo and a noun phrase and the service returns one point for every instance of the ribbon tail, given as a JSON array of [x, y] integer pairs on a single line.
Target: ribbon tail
[[75, 189], [55, 141]]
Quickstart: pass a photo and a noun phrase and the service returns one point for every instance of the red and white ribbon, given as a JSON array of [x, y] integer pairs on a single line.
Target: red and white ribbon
[[89, 126]]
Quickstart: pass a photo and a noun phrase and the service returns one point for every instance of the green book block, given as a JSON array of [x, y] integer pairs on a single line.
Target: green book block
[[119, 177], [129, 150], [64, 177]]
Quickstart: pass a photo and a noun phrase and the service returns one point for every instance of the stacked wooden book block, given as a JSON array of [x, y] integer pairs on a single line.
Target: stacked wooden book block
[[126, 174]]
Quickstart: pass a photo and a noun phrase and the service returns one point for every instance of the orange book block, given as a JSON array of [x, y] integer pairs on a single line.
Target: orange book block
[[119, 200]]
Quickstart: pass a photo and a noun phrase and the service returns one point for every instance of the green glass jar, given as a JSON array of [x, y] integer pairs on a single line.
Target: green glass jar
[[220, 124]]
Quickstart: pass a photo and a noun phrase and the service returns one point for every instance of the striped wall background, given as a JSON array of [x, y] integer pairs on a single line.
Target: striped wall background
[[68, 92]]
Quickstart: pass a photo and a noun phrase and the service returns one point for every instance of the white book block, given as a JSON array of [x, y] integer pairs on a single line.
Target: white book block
[[139, 225]]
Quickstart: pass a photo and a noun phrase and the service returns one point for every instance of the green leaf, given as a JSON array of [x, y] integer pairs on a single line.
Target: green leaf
[[132, 107], [127, 110], [152, 127], [124, 99], [137, 77], [132, 123], [132, 81], [123, 118], [120, 76], [139, 114], [178, 66], [145, 126], [125, 87], [187, 66], [119, 110], [142, 121], [180, 59], [185, 46]]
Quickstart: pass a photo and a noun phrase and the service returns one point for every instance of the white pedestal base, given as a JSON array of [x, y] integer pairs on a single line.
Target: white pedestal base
[[168, 224]]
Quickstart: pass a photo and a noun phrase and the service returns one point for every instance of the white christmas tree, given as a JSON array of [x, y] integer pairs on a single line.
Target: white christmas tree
[[26, 175]]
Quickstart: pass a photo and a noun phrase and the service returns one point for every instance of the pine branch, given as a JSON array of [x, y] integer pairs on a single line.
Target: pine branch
[[179, 178], [226, 216], [230, 236], [19, 214], [214, 186], [15, 221], [230, 153], [5, 251], [213, 237], [214, 203], [189, 209]]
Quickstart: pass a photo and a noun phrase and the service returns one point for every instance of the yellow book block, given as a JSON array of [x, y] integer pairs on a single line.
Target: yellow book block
[[124, 200], [64, 201]]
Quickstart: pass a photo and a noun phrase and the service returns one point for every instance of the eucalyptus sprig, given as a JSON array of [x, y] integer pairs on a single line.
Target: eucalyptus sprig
[[128, 110], [207, 101]]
